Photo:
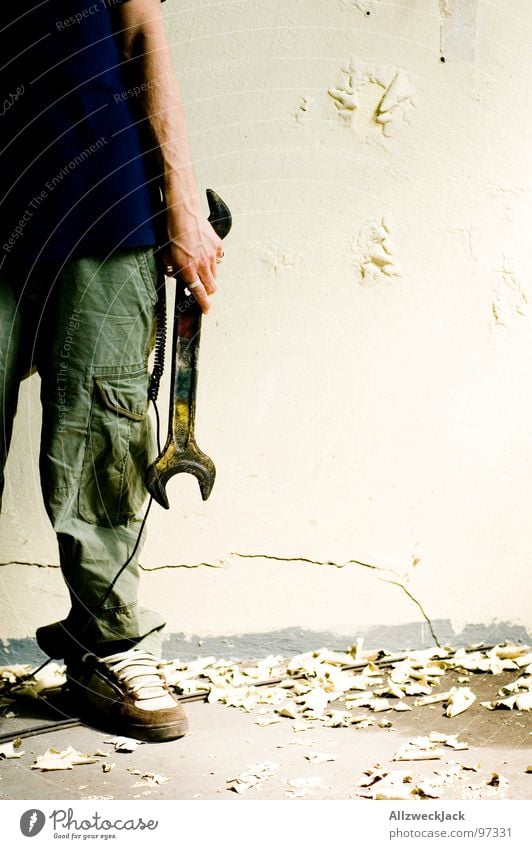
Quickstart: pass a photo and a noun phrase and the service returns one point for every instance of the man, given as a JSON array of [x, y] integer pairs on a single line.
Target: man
[[97, 199]]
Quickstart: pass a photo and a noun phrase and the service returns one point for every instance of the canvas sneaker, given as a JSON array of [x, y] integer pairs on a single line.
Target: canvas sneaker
[[128, 689]]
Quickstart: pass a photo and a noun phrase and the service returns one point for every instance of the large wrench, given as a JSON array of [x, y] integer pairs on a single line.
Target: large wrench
[[180, 453]]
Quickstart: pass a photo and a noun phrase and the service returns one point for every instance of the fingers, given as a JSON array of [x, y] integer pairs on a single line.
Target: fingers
[[201, 283], [199, 292], [193, 258]]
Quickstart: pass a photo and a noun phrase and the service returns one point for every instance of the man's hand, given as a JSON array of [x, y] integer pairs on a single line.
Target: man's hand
[[193, 248], [193, 252]]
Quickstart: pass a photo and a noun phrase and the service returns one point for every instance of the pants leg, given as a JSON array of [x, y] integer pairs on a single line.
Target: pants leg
[[94, 341], [10, 322]]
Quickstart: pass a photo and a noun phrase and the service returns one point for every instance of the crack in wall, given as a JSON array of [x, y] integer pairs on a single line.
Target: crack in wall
[[351, 562], [30, 563], [419, 606], [309, 560], [217, 565], [283, 559]]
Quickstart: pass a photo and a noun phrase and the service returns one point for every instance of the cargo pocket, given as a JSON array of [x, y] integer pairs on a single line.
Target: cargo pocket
[[118, 448]]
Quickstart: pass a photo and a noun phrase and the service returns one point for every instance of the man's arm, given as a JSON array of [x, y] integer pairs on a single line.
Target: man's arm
[[193, 245]]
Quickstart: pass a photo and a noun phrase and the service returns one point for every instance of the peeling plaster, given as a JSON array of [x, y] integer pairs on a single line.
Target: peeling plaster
[[301, 113], [507, 197], [397, 98], [376, 252], [278, 260], [471, 239], [346, 100], [510, 300], [392, 105]]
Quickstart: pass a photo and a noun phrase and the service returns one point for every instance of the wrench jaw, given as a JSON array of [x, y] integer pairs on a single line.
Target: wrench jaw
[[155, 482], [191, 460], [195, 462]]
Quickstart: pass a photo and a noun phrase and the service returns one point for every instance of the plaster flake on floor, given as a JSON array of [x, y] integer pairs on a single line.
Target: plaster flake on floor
[[289, 727]]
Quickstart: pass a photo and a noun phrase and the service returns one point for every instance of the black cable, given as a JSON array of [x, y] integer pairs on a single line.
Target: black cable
[[126, 564], [37, 730], [160, 345]]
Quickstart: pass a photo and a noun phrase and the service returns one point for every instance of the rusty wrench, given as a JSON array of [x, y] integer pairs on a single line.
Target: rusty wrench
[[180, 453]]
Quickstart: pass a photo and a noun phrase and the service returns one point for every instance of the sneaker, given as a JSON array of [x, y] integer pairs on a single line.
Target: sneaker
[[130, 690]]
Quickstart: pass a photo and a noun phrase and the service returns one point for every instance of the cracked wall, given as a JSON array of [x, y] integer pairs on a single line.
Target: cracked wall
[[365, 375]]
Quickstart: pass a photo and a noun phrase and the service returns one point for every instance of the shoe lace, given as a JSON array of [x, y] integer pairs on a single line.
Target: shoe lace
[[139, 673]]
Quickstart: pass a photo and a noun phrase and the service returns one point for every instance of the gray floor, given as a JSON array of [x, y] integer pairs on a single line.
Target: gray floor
[[224, 742]]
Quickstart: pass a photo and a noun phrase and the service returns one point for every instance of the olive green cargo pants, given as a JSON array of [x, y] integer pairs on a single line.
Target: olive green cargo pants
[[88, 331]]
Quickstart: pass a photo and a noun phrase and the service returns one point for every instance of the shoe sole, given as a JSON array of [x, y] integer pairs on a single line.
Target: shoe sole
[[159, 733], [112, 720]]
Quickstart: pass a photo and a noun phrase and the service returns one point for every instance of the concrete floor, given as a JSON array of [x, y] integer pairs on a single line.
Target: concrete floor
[[224, 742]]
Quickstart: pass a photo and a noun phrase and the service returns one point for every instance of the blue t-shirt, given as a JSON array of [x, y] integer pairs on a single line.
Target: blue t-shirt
[[77, 175]]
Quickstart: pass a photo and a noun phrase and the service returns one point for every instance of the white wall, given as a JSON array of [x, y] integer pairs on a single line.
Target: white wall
[[366, 372]]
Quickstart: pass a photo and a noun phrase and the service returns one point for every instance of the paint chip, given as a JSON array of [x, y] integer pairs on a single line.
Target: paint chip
[[255, 775], [53, 759], [498, 780], [459, 701], [320, 757], [124, 744], [11, 750]]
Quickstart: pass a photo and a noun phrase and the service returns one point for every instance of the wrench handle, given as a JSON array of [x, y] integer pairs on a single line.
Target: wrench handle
[[180, 452], [187, 334], [186, 343]]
